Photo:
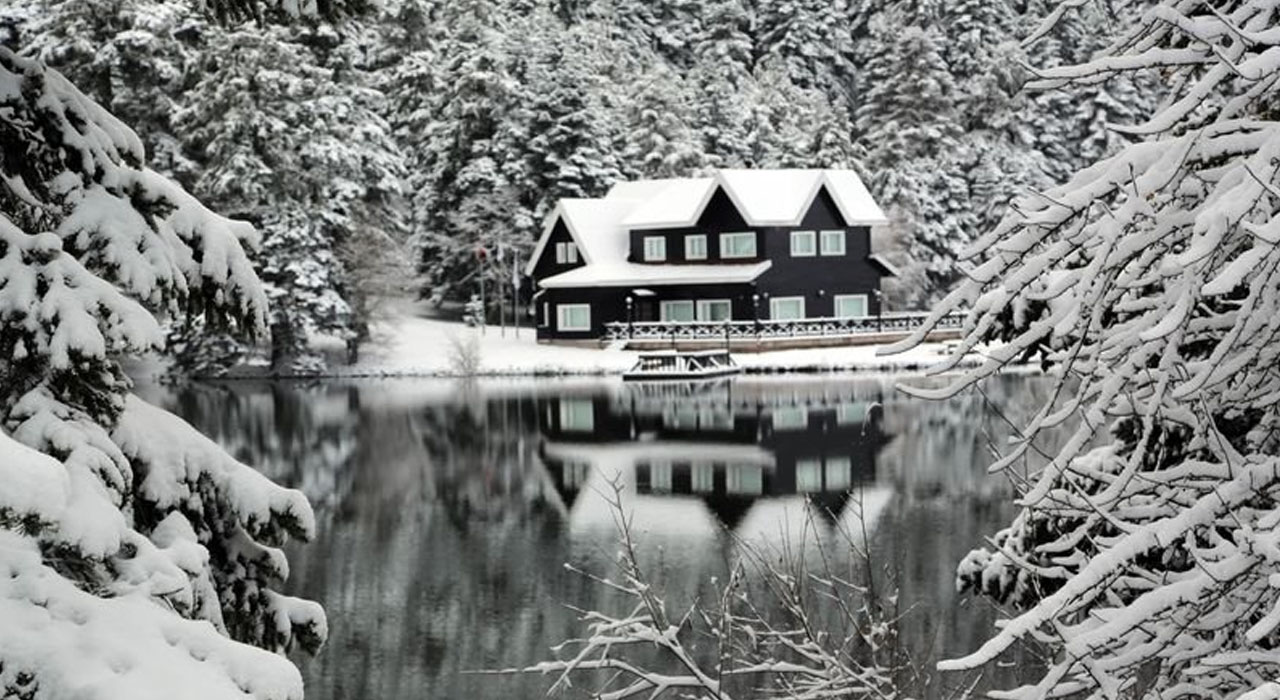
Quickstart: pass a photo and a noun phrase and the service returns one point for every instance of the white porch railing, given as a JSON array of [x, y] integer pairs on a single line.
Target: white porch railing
[[799, 328]]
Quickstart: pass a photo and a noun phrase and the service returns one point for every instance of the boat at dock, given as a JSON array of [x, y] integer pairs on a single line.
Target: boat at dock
[[674, 365]]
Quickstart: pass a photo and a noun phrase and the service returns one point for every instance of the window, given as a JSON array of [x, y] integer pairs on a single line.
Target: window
[[790, 418], [743, 479], [703, 477], [849, 413], [737, 245], [695, 247], [808, 475], [655, 248], [573, 317], [577, 415], [786, 308], [675, 311], [833, 242], [546, 314], [851, 305], [566, 253], [839, 474], [804, 244], [660, 477], [714, 310]]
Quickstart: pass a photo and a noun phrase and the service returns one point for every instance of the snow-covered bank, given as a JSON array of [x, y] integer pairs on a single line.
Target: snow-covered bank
[[415, 346]]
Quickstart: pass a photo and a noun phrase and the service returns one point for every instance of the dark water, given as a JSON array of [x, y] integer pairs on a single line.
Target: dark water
[[447, 511]]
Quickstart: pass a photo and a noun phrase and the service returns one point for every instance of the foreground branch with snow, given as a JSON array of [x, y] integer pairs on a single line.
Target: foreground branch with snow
[[1147, 551], [137, 558]]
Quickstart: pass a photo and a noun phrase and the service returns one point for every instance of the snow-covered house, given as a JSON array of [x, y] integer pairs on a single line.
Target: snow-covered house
[[739, 245]]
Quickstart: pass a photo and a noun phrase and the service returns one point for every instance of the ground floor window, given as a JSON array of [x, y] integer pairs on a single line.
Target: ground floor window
[[786, 308], [573, 317], [676, 311], [851, 305], [714, 310]]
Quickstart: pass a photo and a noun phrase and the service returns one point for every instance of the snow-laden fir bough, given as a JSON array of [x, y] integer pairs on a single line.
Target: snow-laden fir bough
[[1147, 551], [137, 558]]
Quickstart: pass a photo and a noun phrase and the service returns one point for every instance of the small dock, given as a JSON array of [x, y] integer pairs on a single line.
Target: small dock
[[674, 365]]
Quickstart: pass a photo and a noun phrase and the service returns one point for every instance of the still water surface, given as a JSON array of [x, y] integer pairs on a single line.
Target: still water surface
[[447, 511]]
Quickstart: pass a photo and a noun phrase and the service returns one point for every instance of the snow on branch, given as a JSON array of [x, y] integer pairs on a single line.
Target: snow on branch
[[1149, 286], [803, 633]]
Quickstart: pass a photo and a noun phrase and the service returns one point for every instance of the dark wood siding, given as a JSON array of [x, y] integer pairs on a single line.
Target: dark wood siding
[[819, 278], [547, 265], [609, 304], [719, 216]]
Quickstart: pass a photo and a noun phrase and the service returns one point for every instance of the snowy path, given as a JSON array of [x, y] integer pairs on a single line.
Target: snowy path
[[415, 346]]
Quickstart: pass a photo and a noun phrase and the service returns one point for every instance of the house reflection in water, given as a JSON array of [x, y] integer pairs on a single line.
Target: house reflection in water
[[728, 443]]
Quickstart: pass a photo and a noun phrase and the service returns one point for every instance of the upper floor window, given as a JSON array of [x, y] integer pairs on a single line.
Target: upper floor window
[[655, 248], [695, 247], [738, 245], [566, 253], [833, 242], [804, 244]]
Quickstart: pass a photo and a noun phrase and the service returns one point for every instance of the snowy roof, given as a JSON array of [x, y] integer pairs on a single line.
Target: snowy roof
[[625, 274], [763, 197], [594, 224]]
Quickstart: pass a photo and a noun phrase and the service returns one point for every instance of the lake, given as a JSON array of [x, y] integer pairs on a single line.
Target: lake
[[447, 510]]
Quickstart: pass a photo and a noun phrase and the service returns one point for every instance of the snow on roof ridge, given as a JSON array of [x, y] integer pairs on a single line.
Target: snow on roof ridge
[[776, 197]]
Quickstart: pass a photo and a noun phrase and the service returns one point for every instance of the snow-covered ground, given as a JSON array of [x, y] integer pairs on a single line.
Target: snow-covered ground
[[416, 346]]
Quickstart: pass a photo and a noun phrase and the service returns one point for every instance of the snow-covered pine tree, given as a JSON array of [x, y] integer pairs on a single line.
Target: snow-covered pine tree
[[659, 143], [1149, 284], [465, 139], [295, 144], [116, 515], [134, 56], [908, 121], [811, 42]]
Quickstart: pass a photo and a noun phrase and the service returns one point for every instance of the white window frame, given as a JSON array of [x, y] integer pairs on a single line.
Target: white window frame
[[561, 254], [660, 474], [773, 308], [562, 311], [655, 248], [546, 314], [704, 306], [744, 479], [572, 420], [808, 475], [725, 251], [664, 305], [850, 413], [702, 477], [839, 473], [688, 249], [812, 237], [831, 234], [790, 418], [571, 253], [835, 305]]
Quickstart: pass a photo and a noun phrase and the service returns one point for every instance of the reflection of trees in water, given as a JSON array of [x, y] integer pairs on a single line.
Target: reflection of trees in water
[[442, 538], [299, 435], [941, 449]]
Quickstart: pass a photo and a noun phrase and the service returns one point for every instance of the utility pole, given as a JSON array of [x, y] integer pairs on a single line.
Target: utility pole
[[515, 289], [484, 310], [502, 295]]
